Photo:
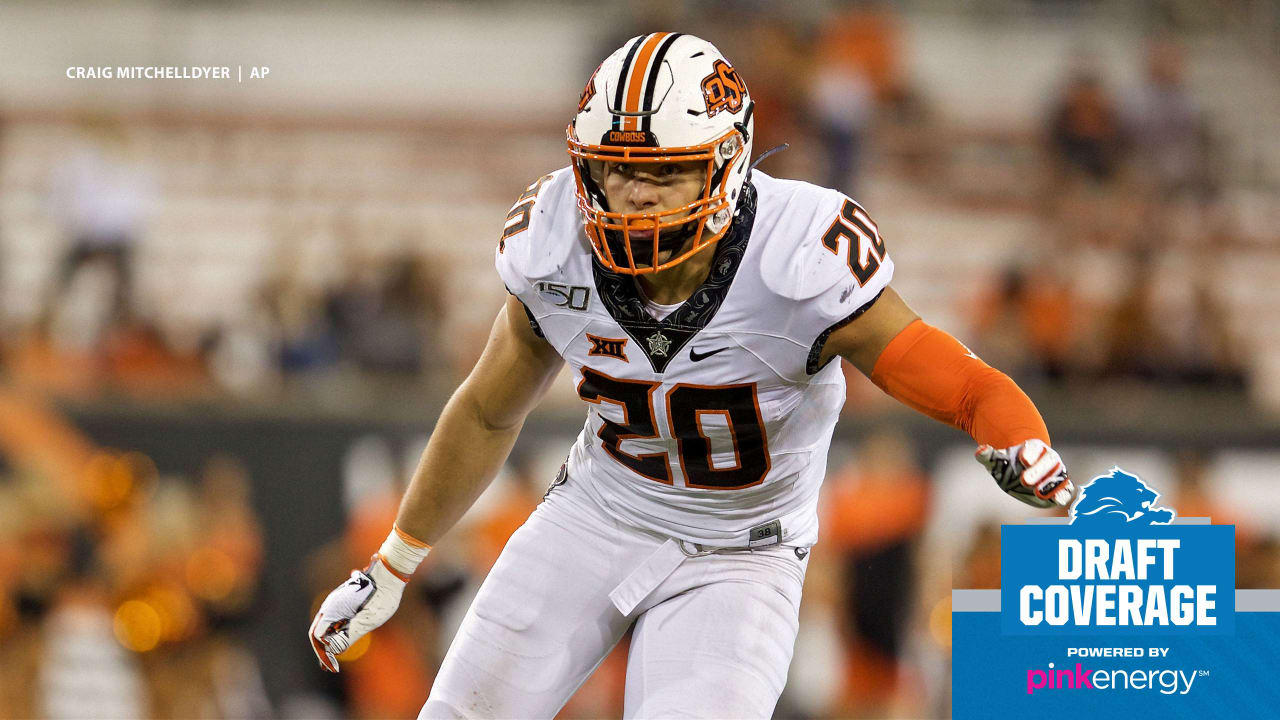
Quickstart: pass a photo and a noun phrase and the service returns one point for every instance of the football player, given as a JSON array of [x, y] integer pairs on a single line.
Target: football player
[[700, 306]]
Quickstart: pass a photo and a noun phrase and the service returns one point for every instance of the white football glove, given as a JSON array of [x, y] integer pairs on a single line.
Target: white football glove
[[1032, 472], [355, 607]]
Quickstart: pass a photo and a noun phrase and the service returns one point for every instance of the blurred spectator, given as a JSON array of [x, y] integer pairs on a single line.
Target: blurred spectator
[[101, 197], [241, 355], [842, 104], [857, 69], [863, 36], [1205, 352], [1170, 136], [388, 320], [875, 509], [1145, 342], [1258, 563], [1027, 325], [128, 355], [84, 672], [140, 361], [909, 134], [89, 334], [224, 570], [116, 584], [303, 335], [4, 312], [1085, 131], [981, 567], [1194, 497], [1135, 345]]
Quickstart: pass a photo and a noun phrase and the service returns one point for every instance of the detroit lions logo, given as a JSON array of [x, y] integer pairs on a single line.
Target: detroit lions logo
[[1118, 499]]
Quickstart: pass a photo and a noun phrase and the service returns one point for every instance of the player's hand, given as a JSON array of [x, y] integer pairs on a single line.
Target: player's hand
[[1032, 472], [355, 607]]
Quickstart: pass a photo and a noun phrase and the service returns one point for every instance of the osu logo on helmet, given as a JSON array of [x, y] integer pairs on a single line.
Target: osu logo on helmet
[[588, 92], [723, 89]]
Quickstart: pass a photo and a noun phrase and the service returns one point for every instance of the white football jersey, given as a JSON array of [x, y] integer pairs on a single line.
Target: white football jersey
[[712, 424]]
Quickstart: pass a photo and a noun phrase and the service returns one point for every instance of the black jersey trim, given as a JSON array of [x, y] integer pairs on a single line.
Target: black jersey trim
[[662, 340], [815, 351], [533, 322]]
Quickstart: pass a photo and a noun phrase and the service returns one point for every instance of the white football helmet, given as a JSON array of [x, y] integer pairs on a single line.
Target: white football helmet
[[661, 98]]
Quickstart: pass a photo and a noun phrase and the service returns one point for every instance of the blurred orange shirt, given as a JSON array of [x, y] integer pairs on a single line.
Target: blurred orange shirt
[[866, 41], [870, 510]]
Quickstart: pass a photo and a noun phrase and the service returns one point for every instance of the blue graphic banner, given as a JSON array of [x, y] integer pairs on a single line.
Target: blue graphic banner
[[1123, 612], [1160, 579]]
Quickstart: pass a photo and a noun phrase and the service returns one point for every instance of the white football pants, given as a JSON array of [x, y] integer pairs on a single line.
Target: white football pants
[[713, 634]]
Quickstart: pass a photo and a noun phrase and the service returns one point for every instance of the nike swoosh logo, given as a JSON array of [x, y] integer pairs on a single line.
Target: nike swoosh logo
[[695, 356]]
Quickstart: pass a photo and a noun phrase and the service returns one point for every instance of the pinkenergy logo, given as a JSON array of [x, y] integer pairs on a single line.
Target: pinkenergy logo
[[1165, 681]]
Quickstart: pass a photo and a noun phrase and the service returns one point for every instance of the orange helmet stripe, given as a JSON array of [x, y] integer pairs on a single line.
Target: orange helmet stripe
[[639, 70]]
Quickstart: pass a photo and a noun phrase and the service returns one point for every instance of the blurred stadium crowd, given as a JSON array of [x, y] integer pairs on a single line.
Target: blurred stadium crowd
[[1129, 234], [1120, 234]]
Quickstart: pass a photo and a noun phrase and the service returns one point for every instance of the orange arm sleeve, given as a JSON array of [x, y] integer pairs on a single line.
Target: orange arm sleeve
[[930, 371]]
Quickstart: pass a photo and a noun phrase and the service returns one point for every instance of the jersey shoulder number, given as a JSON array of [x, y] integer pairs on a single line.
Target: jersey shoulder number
[[854, 233], [521, 212], [536, 235]]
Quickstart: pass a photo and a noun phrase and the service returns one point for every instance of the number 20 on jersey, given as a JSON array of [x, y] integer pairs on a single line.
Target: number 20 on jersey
[[855, 225]]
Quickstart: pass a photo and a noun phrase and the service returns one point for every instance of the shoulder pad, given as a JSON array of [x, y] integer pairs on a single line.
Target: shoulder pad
[[540, 231], [812, 234]]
